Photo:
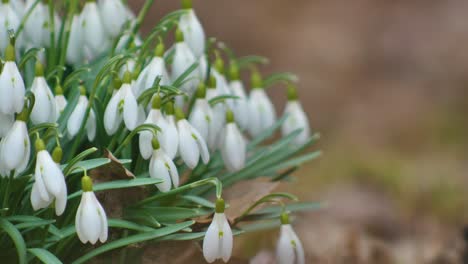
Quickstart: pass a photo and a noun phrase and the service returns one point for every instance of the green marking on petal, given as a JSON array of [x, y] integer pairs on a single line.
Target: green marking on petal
[[194, 137], [220, 234]]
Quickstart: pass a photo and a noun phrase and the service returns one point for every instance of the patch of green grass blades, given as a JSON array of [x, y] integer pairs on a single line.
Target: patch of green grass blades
[[75, 172]]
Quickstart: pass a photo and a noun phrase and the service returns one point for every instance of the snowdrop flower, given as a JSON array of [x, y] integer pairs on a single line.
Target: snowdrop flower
[[60, 101], [15, 146], [34, 25], [91, 220], [218, 240], [201, 115], [122, 105], [44, 109], [218, 72], [130, 66], [183, 59], [49, 181], [19, 7], [47, 27], [9, 20], [123, 41], [239, 106], [233, 145], [155, 68], [297, 118], [219, 115], [12, 89], [6, 121], [170, 141], [156, 117], [75, 54], [191, 143], [78, 114], [113, 15], [94, 36], [262, 112], [289, 248], [162, 167], [192, 29]]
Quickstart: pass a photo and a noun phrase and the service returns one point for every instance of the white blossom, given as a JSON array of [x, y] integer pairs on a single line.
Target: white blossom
[[201, 115], [170, 142], [162, 167], [191, 143], [296, 119], [113, 16], [75, 52], [218, 240], [183, 59], [193, 32], [240, 106], [155, 68], [76, 117], [94, 36], [6, 122], [262, 113], [15, 147], [60, 104], [233, 145], [12, 88], [289, 248], [44, 109]]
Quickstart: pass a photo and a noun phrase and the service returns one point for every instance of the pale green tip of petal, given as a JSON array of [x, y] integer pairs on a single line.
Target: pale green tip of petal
[[86, 184], [229, 116], [156, 104], [179, 114], [127, 78], [159, 51], [155, 143], [10, 53], [186, 4], [57, 154], [169, 108], [39, 144], [212, 82], [58, 90], [82, 90], [201, 90], [179, 36], [39, 69], [256, 80], [284, 218], [220, 205], [292, 93], [234, 73]]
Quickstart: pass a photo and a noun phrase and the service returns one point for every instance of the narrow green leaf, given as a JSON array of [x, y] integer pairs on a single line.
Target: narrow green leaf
[[44, 255], [248, 61], [285, 77], [119, 184], [180, 80], [73, 162], [18, 240], [119, 223], [222, 98], [199, 200], [133, 239]]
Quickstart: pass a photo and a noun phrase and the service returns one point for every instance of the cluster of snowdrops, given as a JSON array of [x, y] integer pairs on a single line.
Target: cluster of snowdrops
[[85, 80]]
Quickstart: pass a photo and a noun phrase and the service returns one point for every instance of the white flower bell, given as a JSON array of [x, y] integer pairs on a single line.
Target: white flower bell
[[162, 167], [240, 106], [113, 15], [12, 88], [289, 248], [170, 141], [91, 220], [44, 109], [94, 36], [219, 115], [15, 146], [34, 25], [76, 117], [192, 29], [6, 121], [122, 105], [75, 52], [233, 145], [155, 68], [191, 143], [262, 112], [201, 115], [297, 118], [60, 101], [218, 240], [49, 181], [9, 20], [183, 59]]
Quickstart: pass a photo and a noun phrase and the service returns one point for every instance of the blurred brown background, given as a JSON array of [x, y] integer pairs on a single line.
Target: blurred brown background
[[385, 83]]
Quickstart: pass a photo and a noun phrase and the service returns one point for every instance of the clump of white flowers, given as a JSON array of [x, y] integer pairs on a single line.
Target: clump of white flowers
[[163, 126]]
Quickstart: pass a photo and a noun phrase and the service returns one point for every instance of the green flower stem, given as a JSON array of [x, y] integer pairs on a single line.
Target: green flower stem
[[213, 180], [150, 127], [7, 193], [51, 25], [141, 16]]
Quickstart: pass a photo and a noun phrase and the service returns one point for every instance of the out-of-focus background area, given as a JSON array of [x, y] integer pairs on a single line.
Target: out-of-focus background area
[[386, 85]]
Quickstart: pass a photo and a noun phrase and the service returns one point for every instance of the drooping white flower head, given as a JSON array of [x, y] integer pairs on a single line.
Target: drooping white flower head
[[122, 106], [233, 145], [192, 29], [49, 182], [15, 146], [202, 115], [44, 110], [113, 16], [91, 220], [219, 115], [297, 118], [12, 88], [170, 141], [162, 167], [19, 7], [6, 122], [60, 101], [262, 112], [34, 26], [240, 106], [9, 20], [191, 143], [183, 59], [289, 248], [155, 117], [218, 70], [46, 30], [95, 37], [218, 240], [155, 68], [78, 114], [75, 52]]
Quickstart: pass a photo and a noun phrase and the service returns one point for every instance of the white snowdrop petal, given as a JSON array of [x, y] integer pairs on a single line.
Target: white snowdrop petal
[[205, 155], [95, 38], [299, 250], [75, 44], [146, 149], [51, 173], [211, 242], [6, 122], [183, 59], [130, 111], [112, 117], [103, 219], [194, 35], [172, 170], [285, 251], [12, 89], [170, 139], [159, 170], [91, 126], [188, 147], [13, 150], [90, 219], [36, 200], [113, 14], [60, 105], [78, 223], [227, 241], [61, 202], [76, 117]]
